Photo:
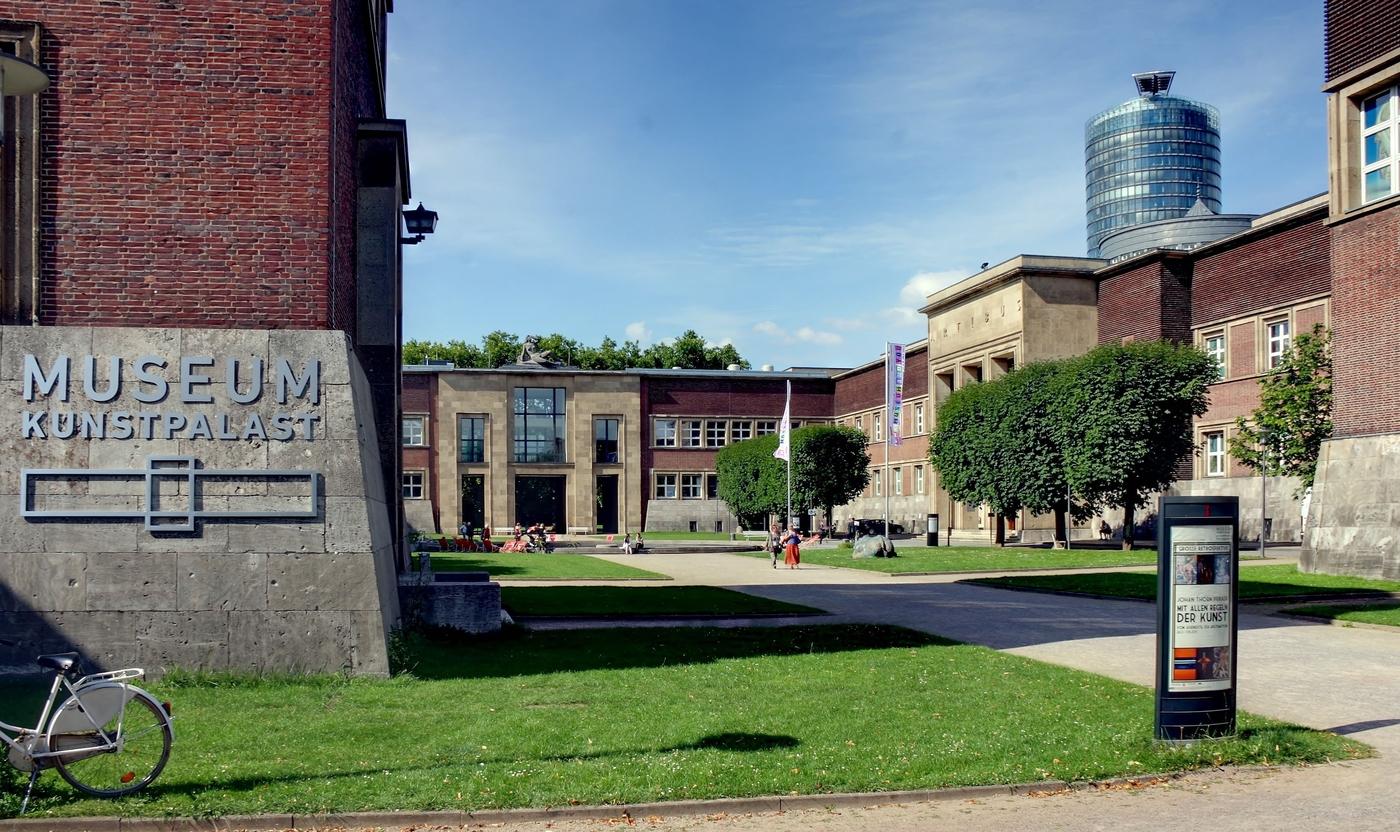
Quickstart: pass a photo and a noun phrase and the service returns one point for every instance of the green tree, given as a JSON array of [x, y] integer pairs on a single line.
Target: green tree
[[830, 466], [499, 348], [1030, 441], [689, 351], [751, 480], [1130, 409], [1284, 434], [969, 448]]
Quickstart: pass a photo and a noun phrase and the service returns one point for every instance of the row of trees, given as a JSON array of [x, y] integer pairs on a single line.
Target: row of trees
[[830, 466], [1108, 428], [689, 351]]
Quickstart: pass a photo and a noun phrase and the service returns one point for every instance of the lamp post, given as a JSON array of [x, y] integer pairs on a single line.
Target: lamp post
[[18, 77], [419, 222]]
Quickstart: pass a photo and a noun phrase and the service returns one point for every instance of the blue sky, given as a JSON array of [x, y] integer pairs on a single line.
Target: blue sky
[[795, 177]]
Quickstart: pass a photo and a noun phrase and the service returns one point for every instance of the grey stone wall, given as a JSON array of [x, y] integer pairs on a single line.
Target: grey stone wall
[[677, 515], [468, 606], [311, 594], [1285, 509], [910, 511], [1354, 515]]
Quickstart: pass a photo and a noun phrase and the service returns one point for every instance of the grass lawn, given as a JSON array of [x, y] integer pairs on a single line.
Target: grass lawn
[[520, 566], [1256, 582], [639, 601], [973, 558], [610, 716], [1387, 613]]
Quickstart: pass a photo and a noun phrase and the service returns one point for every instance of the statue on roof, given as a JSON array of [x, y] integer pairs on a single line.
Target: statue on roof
[[530, 353]]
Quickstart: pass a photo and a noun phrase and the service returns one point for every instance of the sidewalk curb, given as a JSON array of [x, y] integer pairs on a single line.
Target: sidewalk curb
[[1338, 622], [678, 808], [1359, 595]]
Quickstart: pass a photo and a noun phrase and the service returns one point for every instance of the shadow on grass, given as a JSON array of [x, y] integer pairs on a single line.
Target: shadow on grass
[[515, 652]]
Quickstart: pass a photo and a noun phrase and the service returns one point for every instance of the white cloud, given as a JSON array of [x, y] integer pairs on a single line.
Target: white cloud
[[804, 334], [639, 332], [915, 291]]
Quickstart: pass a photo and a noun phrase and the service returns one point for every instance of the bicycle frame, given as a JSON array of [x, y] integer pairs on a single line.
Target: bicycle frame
[[92, 682]]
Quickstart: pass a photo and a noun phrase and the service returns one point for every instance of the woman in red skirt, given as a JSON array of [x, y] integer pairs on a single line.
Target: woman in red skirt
[[792, 555]]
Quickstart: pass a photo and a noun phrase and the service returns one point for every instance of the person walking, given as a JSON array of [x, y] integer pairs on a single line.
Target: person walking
[[775, 544], [793, 555]]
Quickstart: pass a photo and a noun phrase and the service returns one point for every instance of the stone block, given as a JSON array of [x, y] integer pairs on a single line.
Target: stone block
[[336, 460], [182, 639], [291, 641], [371, 654], [277, 535], [43, 581], [330, 346], [348, 525], [221, 581], [341, 421], [131, 581], [1374, 514], [45, 343], [105, 638], [320, 582]]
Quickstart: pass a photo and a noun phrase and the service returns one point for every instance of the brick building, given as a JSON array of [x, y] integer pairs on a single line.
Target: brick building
[[1356, 502], [204, 192]]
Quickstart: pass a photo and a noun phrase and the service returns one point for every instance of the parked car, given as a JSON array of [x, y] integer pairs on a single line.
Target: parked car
[[876, 526]]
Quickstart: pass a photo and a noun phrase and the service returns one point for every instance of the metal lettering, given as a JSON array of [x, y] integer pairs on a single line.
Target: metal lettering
[[93, 427], [308, 385], [114, 379], [254, 388], [199, 428], [188, 379], [172, 422], [32, 426], [34, 377], [61, 428], [162, 387], [121, 425], [255, 429]]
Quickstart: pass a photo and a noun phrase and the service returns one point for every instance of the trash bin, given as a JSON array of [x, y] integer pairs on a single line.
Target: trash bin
[[932, 530]]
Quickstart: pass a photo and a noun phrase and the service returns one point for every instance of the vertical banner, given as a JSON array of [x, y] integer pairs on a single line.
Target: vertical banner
[[785, 429], [894, 383]]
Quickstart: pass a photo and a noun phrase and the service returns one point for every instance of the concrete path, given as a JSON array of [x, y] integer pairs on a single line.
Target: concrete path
[[1341, 679]]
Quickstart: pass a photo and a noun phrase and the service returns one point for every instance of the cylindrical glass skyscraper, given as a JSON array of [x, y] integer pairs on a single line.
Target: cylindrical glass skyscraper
[[1149, 159]]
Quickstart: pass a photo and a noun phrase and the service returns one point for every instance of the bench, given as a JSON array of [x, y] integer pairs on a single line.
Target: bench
[[750, 534], [580, 530]]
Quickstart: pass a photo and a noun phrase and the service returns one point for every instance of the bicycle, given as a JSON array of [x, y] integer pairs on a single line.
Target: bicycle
[[109, 738]]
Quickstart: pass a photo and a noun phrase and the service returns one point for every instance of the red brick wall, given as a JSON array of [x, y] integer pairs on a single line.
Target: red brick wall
[[1130, 305], [186, 162], [1230, 400], [1242, 352], [1358, 31], [1366, 324], [866, 389], [1271, 270]]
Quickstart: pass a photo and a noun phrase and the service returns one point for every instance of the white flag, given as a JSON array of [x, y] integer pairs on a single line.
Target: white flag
[[785, 428]]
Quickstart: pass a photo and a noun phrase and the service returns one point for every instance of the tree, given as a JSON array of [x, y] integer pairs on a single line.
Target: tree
[[499, 348], [1130, 409], [689, 351], [1031, 434], [751, 480], [1284, 434], [969, 448], [830, 466]]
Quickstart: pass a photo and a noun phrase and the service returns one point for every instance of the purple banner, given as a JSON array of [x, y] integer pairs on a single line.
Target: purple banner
[[894, 383]]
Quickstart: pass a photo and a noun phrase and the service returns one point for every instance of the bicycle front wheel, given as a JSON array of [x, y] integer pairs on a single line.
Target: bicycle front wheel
[[140, 736]]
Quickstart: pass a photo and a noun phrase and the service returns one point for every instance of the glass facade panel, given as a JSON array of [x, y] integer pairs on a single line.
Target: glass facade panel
[[605, 440], [539, 424], [1149, 159], [471, 439]]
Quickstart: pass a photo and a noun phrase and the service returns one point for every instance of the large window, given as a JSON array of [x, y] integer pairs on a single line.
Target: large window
[[471, 438], [665, 487], [413, 485], [1215, 453], [1215, 348], [691, 485], [712, 486], [918, 479], [414, 433], [918, 419], [765, 427], [539, 424], [1380, 123], [879, 423], [740, 429], [692, 433], [879, 478], [665, 433], [860, 424], [716, 434], [1279, 336], [897, 479], [605, 440]]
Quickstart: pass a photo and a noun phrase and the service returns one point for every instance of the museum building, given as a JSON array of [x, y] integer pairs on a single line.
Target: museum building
[[200, 267]]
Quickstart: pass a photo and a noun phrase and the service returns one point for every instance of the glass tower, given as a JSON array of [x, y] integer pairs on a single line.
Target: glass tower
[[1149, 159]]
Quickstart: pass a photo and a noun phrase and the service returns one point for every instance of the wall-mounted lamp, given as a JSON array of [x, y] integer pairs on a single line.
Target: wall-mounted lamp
[[419, 222], [19, 77]]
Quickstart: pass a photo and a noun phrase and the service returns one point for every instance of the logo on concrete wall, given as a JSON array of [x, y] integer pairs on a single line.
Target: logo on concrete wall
[[171, 497]]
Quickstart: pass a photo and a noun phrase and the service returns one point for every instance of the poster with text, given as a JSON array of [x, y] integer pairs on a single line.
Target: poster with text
[[1201, 643]]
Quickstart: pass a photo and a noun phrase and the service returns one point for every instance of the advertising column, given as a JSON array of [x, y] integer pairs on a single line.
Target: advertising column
[[1198, 575]]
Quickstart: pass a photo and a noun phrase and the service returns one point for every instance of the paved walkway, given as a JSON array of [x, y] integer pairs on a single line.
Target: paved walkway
[[1341, 679]]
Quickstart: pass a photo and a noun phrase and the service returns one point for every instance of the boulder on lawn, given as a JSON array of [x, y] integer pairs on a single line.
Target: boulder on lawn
[[873, 546]]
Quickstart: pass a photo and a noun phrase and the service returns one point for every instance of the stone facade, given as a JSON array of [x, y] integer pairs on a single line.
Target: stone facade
[[314, 593]]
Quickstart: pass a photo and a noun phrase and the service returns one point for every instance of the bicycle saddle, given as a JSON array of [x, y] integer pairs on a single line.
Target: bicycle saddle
[[62, 662]]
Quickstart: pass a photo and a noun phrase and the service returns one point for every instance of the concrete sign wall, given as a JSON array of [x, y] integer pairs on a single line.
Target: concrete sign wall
[[201, 498]]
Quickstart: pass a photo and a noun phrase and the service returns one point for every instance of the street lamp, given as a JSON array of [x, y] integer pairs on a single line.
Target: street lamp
[[18, 77], [419, 222]]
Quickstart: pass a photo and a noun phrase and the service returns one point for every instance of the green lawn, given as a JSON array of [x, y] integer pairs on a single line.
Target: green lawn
[[612, 716], [1387, 613], [520, 566], [1256, 582], [639, 602], [915, 559]]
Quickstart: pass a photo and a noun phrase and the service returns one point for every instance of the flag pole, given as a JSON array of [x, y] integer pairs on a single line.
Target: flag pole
[[787, 415], [885, 483]]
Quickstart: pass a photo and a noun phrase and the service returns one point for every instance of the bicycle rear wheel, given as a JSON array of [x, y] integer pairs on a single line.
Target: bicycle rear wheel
[[142, 747]]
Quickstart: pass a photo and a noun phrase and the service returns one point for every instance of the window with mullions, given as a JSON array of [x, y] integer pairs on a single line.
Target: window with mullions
[[414, 434], [665, 434], [691, 485], [765, 427], [1279, 339], [471, 438], [740, 429], [712, 486], [605, 440], [1215, 453], [665, 487], [413, 485], [539, 424], [1380, 122], [716, 434], [692, 433], [1215, 348]]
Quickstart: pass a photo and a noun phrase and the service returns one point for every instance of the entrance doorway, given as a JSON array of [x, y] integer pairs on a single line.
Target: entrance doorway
[[607, 504], [474, 500], [540, 500]]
